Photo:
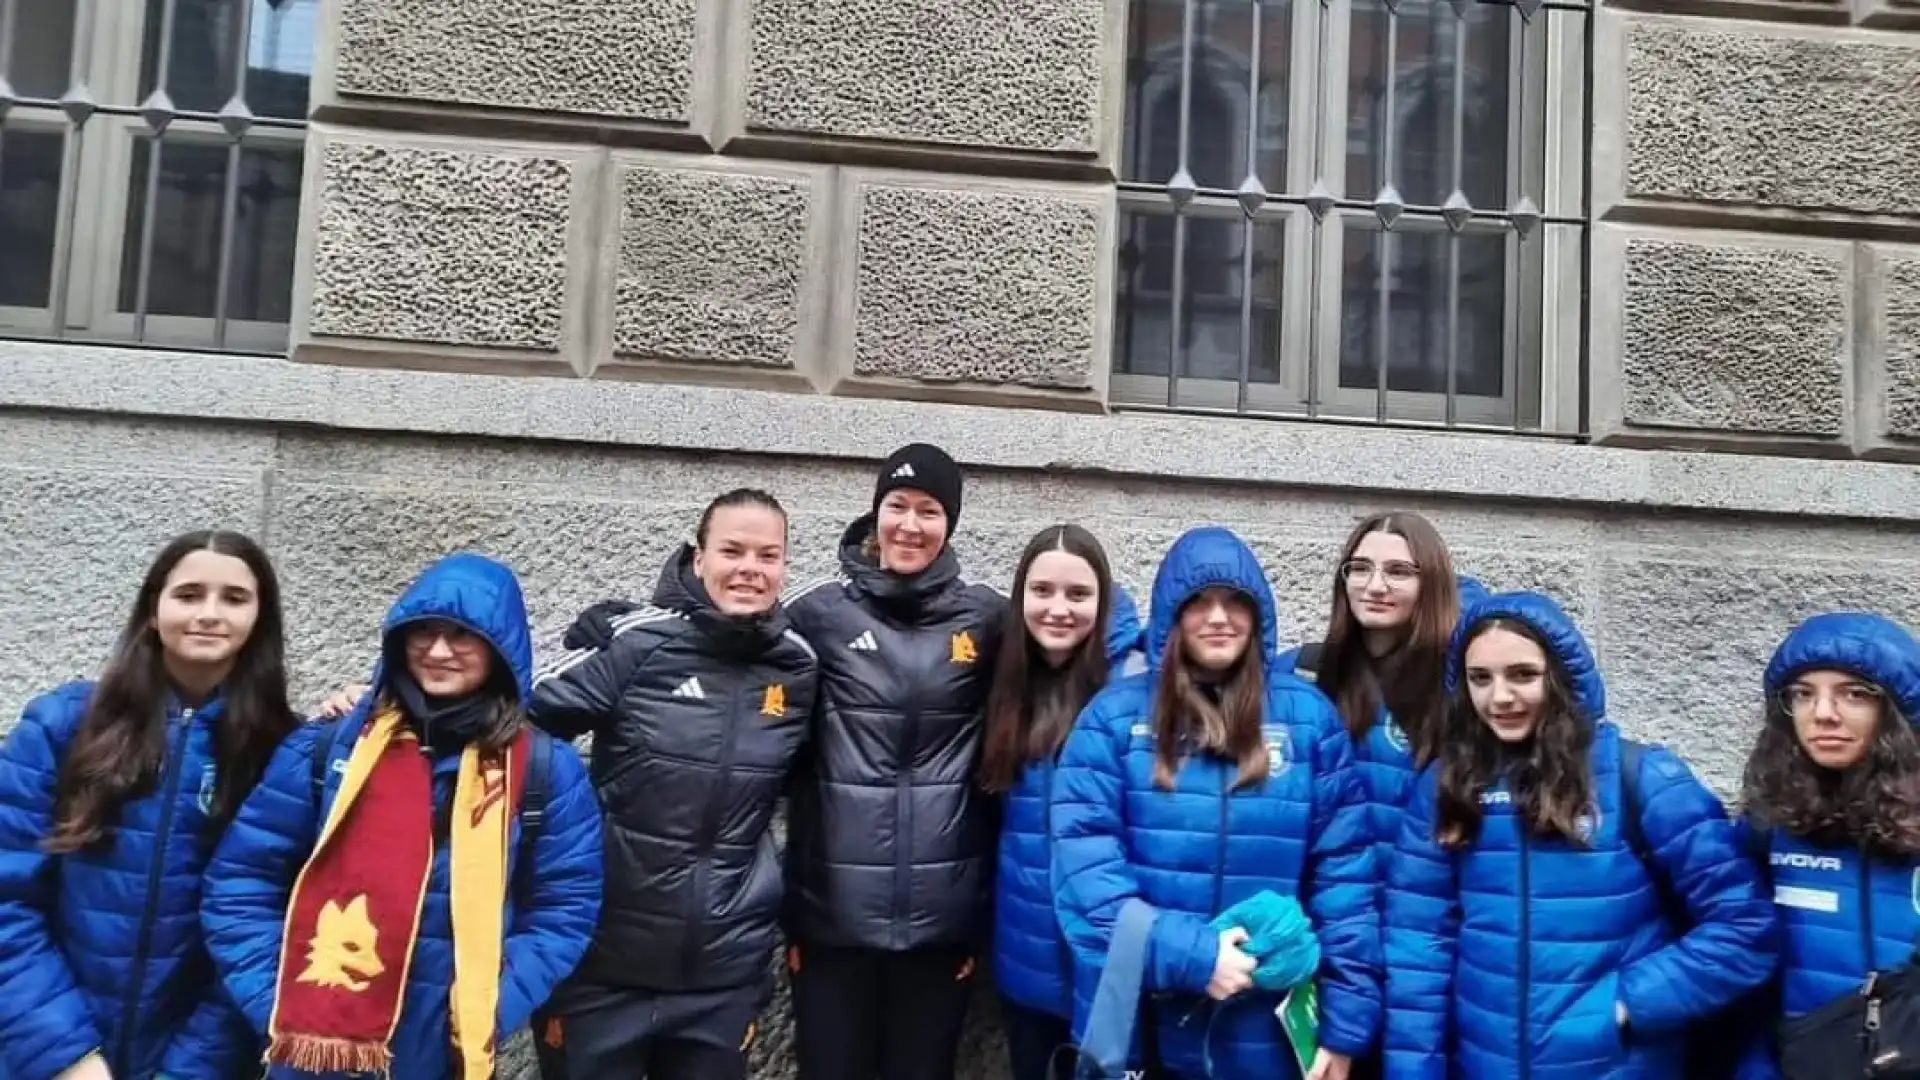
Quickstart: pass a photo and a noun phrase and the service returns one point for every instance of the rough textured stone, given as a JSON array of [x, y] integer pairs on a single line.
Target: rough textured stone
[[1733, 338], [984, 286], [88, 379], [711, 266], [1771, 117], [1900, 346], [620, 58], [443, 246], [995, 73]]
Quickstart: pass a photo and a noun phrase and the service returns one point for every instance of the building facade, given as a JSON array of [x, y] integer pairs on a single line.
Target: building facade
[[1626, 297]]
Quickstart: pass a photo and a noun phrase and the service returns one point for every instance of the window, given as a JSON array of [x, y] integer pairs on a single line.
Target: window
[[1360, 209], [150, 161]]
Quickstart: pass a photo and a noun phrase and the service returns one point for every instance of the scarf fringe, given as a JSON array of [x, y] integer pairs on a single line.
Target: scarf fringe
[[320, 1054]]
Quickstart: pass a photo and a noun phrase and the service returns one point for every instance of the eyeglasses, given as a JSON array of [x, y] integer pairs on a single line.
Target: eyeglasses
[[1397, 573], [1850, 699]]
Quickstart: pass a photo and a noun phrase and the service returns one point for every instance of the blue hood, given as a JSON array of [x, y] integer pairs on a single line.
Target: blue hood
[[1471, 591], [1201, 559], [475, 592], [1124, 632], [1553, 626], [1870, 646]]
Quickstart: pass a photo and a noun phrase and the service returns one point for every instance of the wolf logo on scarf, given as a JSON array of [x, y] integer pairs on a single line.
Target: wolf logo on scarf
[[341, 955]]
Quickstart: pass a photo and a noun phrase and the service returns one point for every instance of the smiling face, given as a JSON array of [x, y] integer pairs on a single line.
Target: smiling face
[[1383, 582], [1836, 716], [447, 659], [1507, 681], [204, 615], [911, 528], [1061, 603], [1216, 627], [743, 563]]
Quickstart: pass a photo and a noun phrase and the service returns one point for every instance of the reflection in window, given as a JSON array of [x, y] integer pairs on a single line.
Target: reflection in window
[[279, 54], [187, 239], [29, 201], [1416, 325]]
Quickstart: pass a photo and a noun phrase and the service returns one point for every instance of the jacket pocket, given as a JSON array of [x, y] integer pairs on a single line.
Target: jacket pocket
[[1587, 1033]]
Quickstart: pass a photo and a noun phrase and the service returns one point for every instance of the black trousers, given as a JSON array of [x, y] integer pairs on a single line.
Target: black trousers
[[1039, 1044], [867, 1014], [638, 1035]]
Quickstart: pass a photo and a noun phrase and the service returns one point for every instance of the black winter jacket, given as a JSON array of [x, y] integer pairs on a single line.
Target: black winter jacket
[[697, 718], [891, 844]]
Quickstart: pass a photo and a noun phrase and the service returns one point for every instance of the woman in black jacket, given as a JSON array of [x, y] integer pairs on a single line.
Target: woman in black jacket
[[891, 845], [698, 705]]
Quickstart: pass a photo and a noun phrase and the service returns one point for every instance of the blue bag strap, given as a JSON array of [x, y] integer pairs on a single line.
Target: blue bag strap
[[1108, 1041]]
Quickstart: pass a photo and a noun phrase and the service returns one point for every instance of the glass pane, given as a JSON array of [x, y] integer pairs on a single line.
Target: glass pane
[[186, 236], [1211, 294], [29, 206], [1424, 102], [1417, 323], [200, 71], [42, 48], [1220, 97]]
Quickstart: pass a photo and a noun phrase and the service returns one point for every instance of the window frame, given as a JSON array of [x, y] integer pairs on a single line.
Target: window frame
[[96, 192], [1547, 69]]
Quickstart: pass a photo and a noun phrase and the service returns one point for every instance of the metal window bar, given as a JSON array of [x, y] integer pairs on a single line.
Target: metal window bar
[[80, 108], [1522, 219]]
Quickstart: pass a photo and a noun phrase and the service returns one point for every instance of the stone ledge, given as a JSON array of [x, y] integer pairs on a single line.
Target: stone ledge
[[205, 387]]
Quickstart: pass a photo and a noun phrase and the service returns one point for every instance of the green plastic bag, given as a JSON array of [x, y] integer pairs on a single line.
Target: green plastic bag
[[1299, 1015]]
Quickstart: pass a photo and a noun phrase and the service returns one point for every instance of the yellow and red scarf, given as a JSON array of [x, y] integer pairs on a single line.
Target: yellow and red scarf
[[355, 911]]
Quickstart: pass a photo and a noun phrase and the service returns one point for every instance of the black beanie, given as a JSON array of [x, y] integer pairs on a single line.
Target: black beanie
[[924, 468]]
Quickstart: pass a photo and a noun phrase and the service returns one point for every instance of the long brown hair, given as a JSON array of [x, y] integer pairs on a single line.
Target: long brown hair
[[1552, 784], [1875, 804], [1410, 681], [1034, 704], [1187, 719], [117, 752]]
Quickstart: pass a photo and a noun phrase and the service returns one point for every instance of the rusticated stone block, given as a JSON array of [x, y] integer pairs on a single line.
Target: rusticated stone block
[[990, 284], [1758, 117], [994, 74], [632, 59], [713, 261], [443, 242], [1890, 358], [1738, 338]]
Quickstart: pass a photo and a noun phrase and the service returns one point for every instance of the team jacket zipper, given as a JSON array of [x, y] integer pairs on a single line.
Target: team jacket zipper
[[1526, 956], [143, 949], [709, 829]]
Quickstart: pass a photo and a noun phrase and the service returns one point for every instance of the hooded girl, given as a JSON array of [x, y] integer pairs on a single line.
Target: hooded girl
[[377, 906]]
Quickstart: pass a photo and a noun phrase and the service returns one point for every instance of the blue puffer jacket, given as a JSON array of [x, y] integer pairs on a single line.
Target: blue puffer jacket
[[1385, 757], [1843, 914], [102, 951], [1508, 959], [1030, 958], [1195, 851], [252, 875]]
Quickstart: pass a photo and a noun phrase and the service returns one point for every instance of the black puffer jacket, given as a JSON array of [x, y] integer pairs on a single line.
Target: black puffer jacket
[[697, 718], [891, 845]]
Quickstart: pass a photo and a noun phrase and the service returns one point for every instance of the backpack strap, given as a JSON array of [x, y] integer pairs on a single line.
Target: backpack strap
[[1632, 755], [533, 812], [322, 752], [1306, 663]]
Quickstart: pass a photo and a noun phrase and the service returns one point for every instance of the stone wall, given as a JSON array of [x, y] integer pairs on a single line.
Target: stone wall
[[1754, 272]]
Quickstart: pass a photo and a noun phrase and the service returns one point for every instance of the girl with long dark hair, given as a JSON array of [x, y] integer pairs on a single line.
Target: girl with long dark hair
[[890, 843], [1069, 628], [112, 795], [1832, 796], [1204, 784], [388, 900], [1526, 927]]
